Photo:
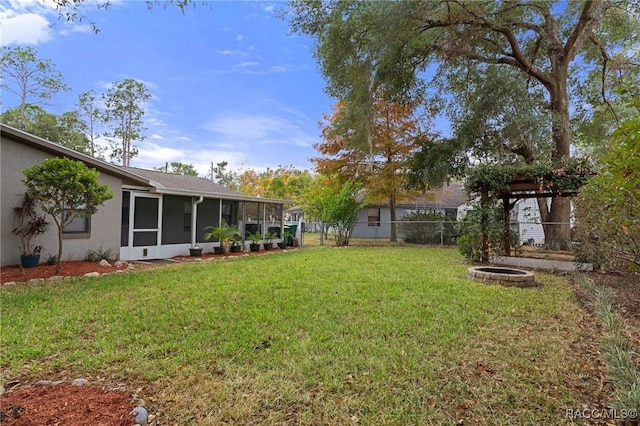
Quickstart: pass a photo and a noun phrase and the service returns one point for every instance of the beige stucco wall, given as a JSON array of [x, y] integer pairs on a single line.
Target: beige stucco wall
[[105, 224]]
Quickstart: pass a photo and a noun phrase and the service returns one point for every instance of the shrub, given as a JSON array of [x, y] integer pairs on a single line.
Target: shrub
[[429, 228], [608, 207], [99, 254], [470, 242]]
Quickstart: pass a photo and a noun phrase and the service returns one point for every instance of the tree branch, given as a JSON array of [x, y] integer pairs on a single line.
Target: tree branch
[[584, 22]]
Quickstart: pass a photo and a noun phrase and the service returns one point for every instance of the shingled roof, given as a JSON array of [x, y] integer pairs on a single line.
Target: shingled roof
[[449, 196], [162, 180], [170, 183]]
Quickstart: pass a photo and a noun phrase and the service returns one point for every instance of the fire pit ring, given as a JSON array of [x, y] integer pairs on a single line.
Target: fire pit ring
[[503, 276]]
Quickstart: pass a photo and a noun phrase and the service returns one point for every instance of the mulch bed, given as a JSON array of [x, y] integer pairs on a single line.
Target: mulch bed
[[69, 269], [78, 268], [65, 404], [627, 297]]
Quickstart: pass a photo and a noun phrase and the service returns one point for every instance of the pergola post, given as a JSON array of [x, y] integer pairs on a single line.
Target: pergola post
[[507, 230], [484, 221]]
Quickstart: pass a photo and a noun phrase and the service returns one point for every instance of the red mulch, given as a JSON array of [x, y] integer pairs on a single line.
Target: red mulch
[[80, 267], [69, 269], [65, 404]]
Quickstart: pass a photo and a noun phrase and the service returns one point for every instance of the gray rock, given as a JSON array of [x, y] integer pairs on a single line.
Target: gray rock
[[42, 383], [92, 274], [10, 283], [56, 278], [104, 262], [140, 415], [36, 280], [80, 382], [119, 264]]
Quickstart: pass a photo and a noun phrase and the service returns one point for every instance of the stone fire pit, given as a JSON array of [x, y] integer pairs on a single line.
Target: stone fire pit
[[503, 276]]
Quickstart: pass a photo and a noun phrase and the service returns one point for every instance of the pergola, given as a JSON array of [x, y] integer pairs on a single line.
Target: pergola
[[513, 183], [519, 188]]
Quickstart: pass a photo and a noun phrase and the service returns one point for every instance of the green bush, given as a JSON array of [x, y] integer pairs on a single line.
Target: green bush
[[608, 207], [429, 228], [470, 241]]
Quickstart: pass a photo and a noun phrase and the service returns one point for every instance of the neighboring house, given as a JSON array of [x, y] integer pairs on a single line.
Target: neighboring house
[[374, 221], [151, 215]]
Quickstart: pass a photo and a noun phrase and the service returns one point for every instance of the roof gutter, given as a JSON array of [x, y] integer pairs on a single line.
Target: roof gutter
[[194, 218]]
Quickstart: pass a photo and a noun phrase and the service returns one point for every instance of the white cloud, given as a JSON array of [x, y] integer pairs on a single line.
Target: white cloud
[[25, 29], [247, 64], [249, 130], [227, 52], [241, 37], [152, 155], [77, 29]]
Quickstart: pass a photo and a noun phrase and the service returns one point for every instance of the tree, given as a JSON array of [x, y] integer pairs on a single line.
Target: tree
[[340, 211], [364, 46], [224, 177], [395, 135], [90, 116], [124, 109], [65, 189], [284, 182], [63, 129], [178, 168], [73, 11], [33, 80]]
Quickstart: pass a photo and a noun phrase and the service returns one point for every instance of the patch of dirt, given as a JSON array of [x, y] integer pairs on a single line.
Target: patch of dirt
[[542, 253], [65, 404]]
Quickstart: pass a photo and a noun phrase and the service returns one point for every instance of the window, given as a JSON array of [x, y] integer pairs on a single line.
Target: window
[[451, 213], [78, 225], [373, 216]]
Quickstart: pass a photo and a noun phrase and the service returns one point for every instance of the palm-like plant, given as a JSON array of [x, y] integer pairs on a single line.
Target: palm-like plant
[[224, 233]]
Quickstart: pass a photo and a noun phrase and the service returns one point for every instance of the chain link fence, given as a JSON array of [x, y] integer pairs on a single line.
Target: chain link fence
[[446, 232]]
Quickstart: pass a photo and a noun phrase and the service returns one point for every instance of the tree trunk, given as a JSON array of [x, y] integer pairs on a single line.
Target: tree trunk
[[392, 217], [557, 230], [59, 260]]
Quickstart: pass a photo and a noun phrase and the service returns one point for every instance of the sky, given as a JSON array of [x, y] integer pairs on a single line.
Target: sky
[[228, 79]]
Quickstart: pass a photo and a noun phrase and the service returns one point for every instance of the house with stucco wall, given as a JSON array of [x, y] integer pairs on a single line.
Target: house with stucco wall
[[152, 214]]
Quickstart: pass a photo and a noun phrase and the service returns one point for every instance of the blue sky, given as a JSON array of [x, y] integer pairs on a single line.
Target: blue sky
[[228, 80]]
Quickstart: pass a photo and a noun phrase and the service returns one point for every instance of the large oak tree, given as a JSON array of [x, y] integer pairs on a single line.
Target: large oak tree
[[365, 46]]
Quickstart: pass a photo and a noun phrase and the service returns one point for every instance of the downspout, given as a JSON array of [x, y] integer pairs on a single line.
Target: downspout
[[194, 217]]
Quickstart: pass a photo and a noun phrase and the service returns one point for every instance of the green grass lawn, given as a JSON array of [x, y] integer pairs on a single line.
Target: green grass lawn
[[374, 335]]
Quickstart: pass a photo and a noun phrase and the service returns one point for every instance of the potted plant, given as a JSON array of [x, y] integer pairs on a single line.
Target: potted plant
[[285, 236], [255, 241], [28, 225], [268, 240], [223, 233], [236, 244], [196, 250]]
